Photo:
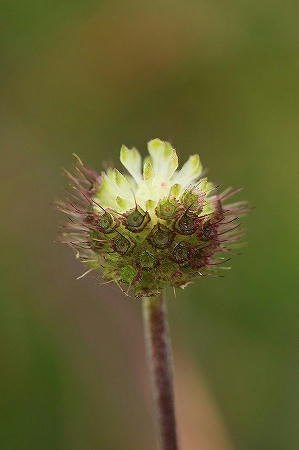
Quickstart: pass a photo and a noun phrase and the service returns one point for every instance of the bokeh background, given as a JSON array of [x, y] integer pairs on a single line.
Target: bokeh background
[[85, 76]]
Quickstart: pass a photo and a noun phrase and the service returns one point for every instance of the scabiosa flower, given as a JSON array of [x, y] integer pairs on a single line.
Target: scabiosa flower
[[150, 228]]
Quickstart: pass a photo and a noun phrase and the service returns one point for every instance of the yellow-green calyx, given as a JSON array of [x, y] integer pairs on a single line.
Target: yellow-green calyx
[[153, 227]]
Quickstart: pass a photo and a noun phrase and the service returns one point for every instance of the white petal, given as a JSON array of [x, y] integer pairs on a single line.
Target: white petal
[[114, 187], [164, 158], [131, 159], [189, 172], [122, 183], [106, 195]]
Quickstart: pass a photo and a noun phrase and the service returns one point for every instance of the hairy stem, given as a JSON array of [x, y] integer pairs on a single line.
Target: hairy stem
[[159, 359]]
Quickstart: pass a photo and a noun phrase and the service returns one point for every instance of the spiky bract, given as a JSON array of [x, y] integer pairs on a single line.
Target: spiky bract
[[147, 230]]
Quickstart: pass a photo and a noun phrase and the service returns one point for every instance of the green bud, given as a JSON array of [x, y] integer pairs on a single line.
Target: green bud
[[167, 209], [147, 261], [127, 274], [121, 245], [190, 200], [137, 219], [181, 252], [187, 224], [161, 237], [106, 222]]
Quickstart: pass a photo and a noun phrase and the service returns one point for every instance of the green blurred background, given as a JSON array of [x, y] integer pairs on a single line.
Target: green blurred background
[[218, 78]]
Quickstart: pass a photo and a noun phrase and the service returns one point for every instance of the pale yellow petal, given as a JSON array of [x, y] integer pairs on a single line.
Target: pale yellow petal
[[106, 195], [190, 171], [122, 203], [148, 171], [164, 157], [131, 159], [114, 187], [175, 190]]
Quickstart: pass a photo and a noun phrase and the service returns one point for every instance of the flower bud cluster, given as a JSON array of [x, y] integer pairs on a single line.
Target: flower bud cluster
[[156, 242]]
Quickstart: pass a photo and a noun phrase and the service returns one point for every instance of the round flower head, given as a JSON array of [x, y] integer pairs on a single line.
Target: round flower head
[[152, 227]]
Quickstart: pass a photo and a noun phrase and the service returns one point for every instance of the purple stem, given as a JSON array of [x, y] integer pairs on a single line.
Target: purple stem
[[160, 364]]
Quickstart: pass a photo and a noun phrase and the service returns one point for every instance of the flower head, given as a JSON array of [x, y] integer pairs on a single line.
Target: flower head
[[152, 227]]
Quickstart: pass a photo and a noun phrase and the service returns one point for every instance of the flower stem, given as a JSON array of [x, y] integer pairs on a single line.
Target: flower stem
[[159, 359]]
